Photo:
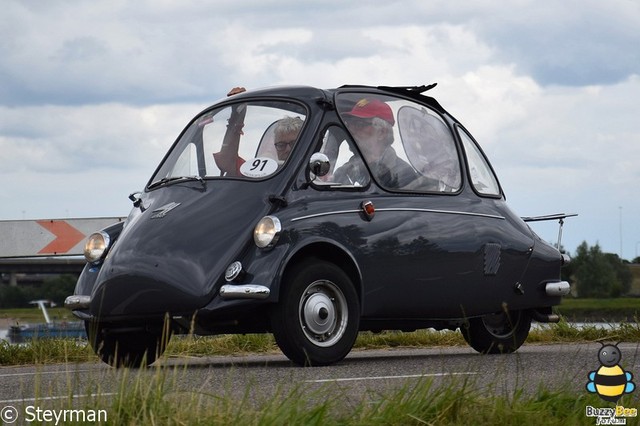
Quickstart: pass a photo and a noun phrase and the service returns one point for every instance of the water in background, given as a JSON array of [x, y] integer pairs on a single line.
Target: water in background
[[534, 325]]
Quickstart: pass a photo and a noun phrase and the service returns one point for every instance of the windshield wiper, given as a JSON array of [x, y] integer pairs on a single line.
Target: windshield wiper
[[175, 179]]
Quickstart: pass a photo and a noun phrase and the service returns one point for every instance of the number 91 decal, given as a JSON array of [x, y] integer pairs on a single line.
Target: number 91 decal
[[259, 167]]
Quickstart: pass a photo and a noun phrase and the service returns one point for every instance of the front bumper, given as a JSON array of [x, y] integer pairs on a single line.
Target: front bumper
[[244, 291], [77, 302], [227, 292]]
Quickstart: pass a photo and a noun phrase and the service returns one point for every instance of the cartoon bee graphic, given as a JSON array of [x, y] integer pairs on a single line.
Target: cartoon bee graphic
[[610, 381]]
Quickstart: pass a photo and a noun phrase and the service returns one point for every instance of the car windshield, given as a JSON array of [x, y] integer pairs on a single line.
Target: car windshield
[[250, 140]]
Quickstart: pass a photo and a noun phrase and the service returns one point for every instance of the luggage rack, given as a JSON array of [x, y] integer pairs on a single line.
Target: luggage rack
[[560, 217]]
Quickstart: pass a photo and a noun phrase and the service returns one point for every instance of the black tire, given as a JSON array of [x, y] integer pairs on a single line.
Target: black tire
[[317, 317], [498, 333], [134, 349]]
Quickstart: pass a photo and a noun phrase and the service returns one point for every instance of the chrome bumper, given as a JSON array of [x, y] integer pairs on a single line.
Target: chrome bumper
[[77, 302], [560, 288], [244, 291]]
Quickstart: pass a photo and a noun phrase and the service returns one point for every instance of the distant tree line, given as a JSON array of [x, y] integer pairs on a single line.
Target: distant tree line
[[55, 289], [596, 274]]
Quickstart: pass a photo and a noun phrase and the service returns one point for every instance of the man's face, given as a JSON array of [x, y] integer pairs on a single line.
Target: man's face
[[367, 137], [284, 144]]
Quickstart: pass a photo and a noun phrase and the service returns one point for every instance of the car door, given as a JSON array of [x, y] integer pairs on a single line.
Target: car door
[[433, 246]]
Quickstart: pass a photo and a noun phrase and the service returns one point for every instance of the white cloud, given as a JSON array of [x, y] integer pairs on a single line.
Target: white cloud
[[93, 93], [71, 139]]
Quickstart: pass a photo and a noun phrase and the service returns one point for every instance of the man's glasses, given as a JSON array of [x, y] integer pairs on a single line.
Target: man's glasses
[[282, 145]]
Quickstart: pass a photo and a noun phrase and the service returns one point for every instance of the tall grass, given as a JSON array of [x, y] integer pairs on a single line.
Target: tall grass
[[157, 396], [566, 332], [45, 351], [153, 399]]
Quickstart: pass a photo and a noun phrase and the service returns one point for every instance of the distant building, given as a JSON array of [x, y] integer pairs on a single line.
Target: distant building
[[635, 284]]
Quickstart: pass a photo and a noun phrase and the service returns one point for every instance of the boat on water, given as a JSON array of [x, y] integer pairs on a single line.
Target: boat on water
[[47, 330]]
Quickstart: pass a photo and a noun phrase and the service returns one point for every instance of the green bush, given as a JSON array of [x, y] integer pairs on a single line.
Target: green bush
[[597, 274], [55, 289]]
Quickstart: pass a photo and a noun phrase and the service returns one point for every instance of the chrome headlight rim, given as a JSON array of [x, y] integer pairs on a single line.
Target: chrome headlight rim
[[97, 246], [267, 232]]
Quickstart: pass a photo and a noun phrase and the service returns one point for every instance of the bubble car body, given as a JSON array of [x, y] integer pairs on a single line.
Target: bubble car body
[[322, 244]]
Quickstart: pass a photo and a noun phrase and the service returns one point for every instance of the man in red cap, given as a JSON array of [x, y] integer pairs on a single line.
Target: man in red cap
[[371, 122]]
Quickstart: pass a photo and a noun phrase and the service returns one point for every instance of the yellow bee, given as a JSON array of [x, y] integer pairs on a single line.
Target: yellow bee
[[610, 381]]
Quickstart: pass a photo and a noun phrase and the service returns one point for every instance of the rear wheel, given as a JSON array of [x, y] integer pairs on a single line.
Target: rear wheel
[[316, 320], [503, 332], [133, 348]]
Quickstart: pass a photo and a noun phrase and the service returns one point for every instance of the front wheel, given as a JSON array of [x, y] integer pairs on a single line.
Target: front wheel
[[121, 347], [502, 332], [317, 317]]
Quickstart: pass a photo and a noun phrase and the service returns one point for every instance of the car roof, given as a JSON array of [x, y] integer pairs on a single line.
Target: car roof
[[296, 92], [310, 93]]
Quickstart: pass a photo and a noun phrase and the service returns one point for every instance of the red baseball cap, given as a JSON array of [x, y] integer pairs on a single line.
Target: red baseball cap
[[369, 108]]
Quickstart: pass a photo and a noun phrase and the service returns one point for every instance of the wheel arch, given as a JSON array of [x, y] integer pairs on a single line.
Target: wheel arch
[[328, 252]]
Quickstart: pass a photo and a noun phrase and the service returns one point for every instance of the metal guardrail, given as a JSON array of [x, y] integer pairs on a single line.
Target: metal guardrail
[[42, 265], [47, 246]]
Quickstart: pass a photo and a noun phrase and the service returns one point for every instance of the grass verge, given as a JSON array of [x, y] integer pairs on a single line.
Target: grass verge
[[616, 309], [29, 315], [67, 350]]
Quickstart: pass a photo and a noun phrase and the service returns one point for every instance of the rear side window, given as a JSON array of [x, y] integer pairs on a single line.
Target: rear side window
[[430, 148], [480, 173], [405, 145]]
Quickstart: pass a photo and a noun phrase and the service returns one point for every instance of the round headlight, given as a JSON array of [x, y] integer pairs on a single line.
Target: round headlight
[[96, 246], [267, 231]]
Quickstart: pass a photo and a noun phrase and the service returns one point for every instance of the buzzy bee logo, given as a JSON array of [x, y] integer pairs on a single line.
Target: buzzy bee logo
[[610, 382]]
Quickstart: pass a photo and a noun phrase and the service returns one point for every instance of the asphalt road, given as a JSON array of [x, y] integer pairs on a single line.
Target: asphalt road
[[367, 373]]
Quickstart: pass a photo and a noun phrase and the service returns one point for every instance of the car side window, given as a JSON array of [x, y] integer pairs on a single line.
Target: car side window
[[187, 162], [347, 168], [482, 177], [407, 146]]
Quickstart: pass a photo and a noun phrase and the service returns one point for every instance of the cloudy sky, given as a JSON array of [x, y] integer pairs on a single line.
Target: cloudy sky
[[92, 93]]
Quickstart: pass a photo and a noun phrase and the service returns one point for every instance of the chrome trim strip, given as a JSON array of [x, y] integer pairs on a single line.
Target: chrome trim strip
[[244, 291], [295, 219], [77, 302], [560, 288], [408, 209]]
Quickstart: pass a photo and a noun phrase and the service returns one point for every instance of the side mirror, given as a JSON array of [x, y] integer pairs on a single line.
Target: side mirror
[[319, 164], [136, 197]]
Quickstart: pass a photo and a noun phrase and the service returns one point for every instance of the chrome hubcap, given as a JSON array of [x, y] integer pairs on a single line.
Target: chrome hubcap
[[501, 325], [323, 313]]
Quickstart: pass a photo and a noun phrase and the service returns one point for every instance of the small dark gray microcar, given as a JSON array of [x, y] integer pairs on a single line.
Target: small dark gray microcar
[[313, 215]]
